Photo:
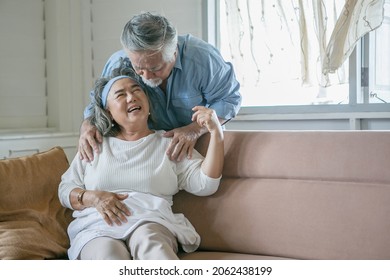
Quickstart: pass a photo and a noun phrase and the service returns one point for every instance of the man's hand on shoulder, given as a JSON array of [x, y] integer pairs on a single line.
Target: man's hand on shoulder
[[183, 141], [89, 140]]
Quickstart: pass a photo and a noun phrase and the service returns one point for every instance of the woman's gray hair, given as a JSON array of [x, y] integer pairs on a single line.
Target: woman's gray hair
[[150, 32], [100, 116]]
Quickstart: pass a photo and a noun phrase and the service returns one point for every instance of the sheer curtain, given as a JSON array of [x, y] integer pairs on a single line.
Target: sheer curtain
[[357, 18], [296, 40]]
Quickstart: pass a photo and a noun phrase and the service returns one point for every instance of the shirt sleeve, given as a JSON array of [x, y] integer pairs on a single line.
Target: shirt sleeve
[[219, 85], [222, 89], [192, 179], [71, 179]]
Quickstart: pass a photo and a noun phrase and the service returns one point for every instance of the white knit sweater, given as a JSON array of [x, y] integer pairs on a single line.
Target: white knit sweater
[[142, 169]]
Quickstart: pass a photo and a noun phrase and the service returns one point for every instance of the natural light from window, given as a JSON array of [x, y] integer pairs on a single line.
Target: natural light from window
[[275, 63], [379, 45]]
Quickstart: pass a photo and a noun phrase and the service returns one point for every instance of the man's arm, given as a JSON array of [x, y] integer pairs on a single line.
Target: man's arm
[[184, 140], [220, 90]]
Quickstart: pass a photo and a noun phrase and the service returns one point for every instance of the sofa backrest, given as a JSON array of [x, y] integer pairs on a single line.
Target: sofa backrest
[[338, 155], [298, 194]]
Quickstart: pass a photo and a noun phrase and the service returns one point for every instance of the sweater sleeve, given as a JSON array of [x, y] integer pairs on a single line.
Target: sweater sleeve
[[71, 179], [192, 179]]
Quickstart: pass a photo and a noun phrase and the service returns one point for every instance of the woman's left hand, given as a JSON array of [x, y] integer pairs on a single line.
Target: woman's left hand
[[206, 117]]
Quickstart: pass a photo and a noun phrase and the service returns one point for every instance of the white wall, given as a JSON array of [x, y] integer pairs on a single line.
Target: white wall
[[80, 36]]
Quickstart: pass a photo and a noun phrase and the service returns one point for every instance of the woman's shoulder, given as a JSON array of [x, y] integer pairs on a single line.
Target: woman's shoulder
[[159, 134], [160, 139]]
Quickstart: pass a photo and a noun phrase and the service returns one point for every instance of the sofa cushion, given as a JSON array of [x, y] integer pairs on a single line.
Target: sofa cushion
[[33, 223], [295, 219], [214, 255]]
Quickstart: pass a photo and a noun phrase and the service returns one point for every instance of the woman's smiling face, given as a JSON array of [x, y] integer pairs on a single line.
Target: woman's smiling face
[[127, 103]]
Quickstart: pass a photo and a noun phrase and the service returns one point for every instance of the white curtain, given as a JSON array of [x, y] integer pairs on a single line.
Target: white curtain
[[311, 39], [357, 18]]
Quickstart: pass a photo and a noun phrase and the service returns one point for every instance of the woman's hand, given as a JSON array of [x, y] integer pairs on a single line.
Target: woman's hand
[[110, 206], [184, 138], [206, 117], [213, 162]]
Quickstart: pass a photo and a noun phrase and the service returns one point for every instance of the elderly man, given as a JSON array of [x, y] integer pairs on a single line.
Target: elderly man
[[180, 72]]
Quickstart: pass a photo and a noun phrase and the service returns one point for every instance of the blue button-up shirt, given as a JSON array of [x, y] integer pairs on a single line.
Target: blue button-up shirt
[[200, 76]]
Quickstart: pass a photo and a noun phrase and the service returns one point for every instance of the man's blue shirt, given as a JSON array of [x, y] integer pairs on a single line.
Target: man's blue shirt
[[200, 76]]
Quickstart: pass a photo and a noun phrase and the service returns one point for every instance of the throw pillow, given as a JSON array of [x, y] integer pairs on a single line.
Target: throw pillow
[[33, 223]]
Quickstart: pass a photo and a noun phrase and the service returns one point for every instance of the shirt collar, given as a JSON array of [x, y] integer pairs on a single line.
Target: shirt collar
[[178, 59]]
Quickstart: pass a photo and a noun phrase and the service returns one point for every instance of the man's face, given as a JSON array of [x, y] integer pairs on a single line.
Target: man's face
[[151, 67]]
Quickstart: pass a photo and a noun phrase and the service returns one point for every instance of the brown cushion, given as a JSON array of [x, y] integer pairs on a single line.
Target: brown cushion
[[33, 223]]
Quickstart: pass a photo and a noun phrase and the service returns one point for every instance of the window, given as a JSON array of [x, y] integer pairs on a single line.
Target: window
[[379, 61], [280, 52]]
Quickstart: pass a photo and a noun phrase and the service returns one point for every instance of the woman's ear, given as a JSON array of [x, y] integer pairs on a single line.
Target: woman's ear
[[109, 114], [111, 118]]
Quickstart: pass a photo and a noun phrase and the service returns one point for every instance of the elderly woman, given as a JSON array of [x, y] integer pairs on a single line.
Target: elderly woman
[[122, 199]]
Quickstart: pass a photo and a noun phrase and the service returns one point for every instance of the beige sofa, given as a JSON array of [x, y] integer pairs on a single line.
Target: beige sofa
[[284, 195]]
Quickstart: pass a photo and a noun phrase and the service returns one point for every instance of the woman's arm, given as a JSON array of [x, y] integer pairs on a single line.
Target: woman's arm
[[108, 204], [73, 194], [213, 162]]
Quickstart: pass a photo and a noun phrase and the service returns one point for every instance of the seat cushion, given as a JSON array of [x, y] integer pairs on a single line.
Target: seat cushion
[[210, 255], [297, 219]]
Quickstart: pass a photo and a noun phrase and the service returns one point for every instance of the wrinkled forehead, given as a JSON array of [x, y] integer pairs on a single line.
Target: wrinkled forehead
[[145, 59]]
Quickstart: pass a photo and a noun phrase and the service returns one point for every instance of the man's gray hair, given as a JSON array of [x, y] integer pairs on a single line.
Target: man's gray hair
[[150, 32]]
